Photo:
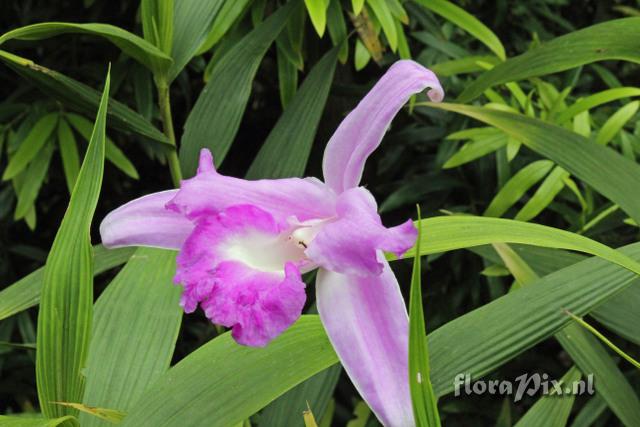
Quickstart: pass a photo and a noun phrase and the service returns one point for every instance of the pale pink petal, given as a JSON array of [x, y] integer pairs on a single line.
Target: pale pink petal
[[209, 192], [362, 130], [350, 243], [146, 222], [240, 268], [366, 321]]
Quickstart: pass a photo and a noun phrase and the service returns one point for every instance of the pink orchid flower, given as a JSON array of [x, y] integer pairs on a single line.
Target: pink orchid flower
[[244, 245]]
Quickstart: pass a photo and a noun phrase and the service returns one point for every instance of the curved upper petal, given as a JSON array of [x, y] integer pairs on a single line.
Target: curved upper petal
[[146, 222], [210, 192], [350, 243], [366, 321], [362, 130]]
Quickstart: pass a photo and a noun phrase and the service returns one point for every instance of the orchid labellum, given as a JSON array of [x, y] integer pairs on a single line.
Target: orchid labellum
[[244, 245]]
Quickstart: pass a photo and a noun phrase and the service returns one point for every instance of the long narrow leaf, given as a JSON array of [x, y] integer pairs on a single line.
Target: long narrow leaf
[[66, 307], [618, 181], [256, 376], [143, 301], [588, 45], [25, 293], [278, 158], [216, 116]]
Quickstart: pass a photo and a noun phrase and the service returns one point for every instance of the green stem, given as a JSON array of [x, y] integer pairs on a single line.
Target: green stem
[[164, 103]]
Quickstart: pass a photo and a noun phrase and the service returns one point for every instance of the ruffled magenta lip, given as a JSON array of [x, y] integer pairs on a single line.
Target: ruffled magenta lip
[[243, 245]]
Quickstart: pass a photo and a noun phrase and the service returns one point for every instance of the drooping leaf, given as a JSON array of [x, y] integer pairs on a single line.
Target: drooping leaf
[[467, 22], [81, 97], [134, 46], [587, 353], [588, 45], [618, 182], [445, 233]]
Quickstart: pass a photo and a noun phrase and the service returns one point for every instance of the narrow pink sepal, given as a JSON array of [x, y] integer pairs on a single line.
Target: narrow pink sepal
[[367, 323], [361, 132]]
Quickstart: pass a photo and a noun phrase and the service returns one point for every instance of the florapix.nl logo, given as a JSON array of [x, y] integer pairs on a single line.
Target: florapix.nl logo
[[530, 384]]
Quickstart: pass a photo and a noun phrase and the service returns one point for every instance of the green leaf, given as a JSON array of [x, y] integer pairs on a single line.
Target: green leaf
[[34, 177], [587, 353], [192, 20], [552, 410], [467, 22], [134, 46], [318, 13], [157, 23], [618, 313], [616, 122], [66, 306], [31, 145], [595, 100], [338, 29], [517, 186], [605, 340], [112, 152], [362, 56], [229, 14], [590, 412], [26, 421], [287, 78], [278, 158], [357, 6], [523, 318], [256, 376], [25, 293], [475, 149], [398, 11], [110, 415], [445, 233], [381, 10], [588, 45], [618, 182], [621, 315], [68, 153], [143, 301], [424, 400], [213, 124], [316, 392], [470, 64], [544, 195], [80, 97]]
